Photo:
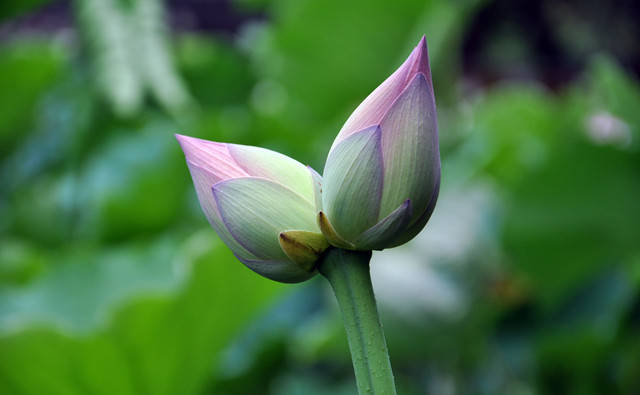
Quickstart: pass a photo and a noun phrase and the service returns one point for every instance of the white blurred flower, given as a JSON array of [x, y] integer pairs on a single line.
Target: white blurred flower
[[603, 128]]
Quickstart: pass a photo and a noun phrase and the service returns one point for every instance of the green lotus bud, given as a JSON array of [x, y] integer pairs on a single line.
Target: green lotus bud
[[382, 176], [261, 204]]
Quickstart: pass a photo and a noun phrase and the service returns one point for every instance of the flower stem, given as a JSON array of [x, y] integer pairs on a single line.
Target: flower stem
[[348, 274]]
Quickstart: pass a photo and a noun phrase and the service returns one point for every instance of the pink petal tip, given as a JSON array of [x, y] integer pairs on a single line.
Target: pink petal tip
[[210, 156]]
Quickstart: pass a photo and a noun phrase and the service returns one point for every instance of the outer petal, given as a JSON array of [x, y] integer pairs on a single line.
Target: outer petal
[[283, 271], [203, 180], [260, 162], [352, 183], [317, 188], [417, 223], [373, 108], [256, 210], [378, 236], [410, 148]]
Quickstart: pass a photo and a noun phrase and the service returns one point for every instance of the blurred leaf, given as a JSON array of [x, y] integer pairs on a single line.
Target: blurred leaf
[[256, 357], [20, 261], [506, 133], [134, 183], [136, 319], [48, 218], [596, 308], [309, 383], [27, 68], [216, 72], [277, 322], [58, 135], [574, 214]]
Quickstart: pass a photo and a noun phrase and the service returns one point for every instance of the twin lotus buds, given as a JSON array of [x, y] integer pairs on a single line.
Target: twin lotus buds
[[379, 187]]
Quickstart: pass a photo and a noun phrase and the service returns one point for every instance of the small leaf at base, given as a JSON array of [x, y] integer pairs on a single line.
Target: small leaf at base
[[303, 247], [329, 232]]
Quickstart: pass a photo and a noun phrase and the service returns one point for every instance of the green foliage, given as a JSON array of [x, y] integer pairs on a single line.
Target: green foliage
[[129, 177], [145, 317], [27, 69]]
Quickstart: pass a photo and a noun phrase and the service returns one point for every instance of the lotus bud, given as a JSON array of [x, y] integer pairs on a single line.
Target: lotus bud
[[382, 175], [261, 204]]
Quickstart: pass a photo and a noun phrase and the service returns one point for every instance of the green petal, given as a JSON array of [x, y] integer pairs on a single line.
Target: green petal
[[256, 210], [260, 162], [378, 236], [418, 222], [410, 149], [352, 183], [317, 188], [203, 181]]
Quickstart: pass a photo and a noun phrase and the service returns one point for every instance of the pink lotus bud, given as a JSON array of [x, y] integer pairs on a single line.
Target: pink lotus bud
[[261, 204], [382, 176]]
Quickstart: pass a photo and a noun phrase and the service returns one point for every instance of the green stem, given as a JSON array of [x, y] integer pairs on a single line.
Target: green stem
[[348, 274]]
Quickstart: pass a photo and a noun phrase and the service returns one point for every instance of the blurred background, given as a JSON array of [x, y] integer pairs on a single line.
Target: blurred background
[[526, 280]]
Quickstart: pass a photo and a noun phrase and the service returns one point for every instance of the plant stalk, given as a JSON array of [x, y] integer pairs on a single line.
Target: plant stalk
[[348, 274]]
